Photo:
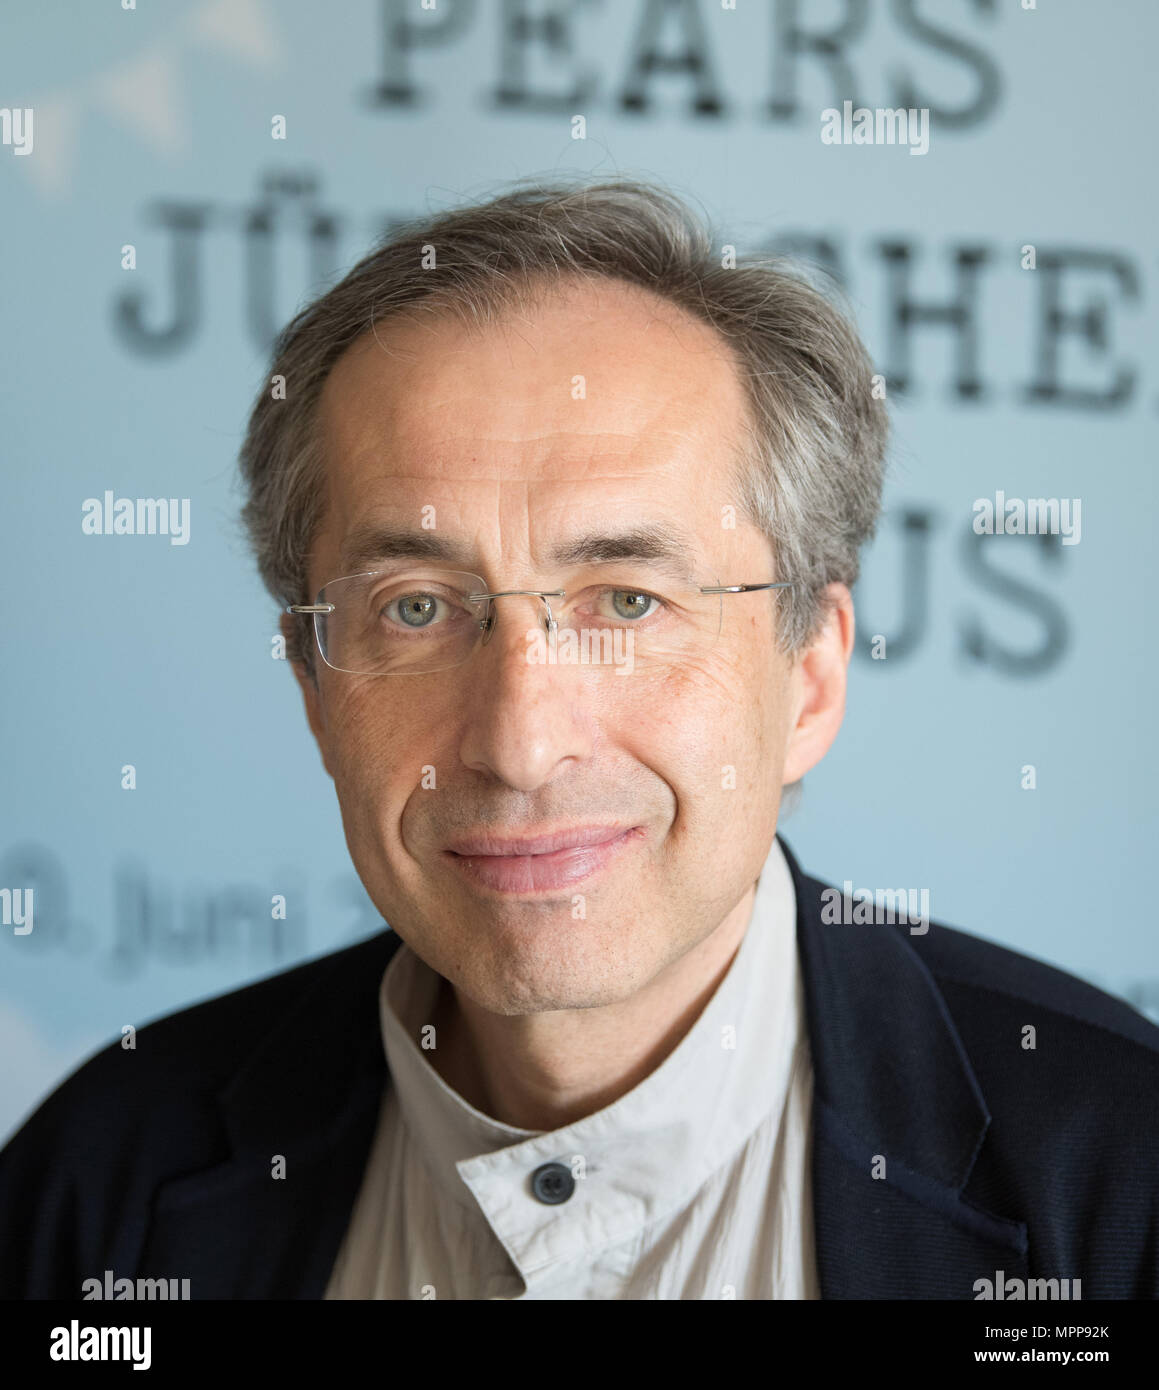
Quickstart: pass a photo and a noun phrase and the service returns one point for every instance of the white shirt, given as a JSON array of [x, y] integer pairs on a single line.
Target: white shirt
[[694, 1184]]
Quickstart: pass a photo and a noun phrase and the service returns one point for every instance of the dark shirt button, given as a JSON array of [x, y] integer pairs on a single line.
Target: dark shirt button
[[553, 1183]]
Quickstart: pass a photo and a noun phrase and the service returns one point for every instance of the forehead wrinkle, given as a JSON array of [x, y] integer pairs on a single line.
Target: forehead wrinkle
[[417, 437], [548, 471], [499, 468]]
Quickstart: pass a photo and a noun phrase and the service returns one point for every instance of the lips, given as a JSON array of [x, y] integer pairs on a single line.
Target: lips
[[499, 846], [540, 863]]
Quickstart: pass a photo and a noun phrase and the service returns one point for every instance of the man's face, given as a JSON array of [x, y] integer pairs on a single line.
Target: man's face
[[488, 428]]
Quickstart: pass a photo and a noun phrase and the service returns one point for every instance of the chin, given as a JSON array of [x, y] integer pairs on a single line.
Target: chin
[[543, 982]]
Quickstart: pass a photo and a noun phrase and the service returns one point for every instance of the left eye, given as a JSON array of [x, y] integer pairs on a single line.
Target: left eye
[[631, 604]]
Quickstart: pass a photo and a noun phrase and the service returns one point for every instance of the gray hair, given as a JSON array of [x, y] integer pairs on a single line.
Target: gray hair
[[811, 465]]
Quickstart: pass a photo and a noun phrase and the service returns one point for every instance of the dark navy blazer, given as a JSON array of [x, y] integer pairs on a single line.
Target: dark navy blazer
[[1041, 1163]]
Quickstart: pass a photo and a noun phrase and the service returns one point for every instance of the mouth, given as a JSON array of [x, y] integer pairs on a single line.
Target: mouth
[[541, 863]]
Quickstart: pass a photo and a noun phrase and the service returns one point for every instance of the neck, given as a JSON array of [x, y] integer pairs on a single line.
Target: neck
[[545, 1071]]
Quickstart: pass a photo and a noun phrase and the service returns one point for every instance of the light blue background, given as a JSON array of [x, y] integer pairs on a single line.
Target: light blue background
[[129, 650]]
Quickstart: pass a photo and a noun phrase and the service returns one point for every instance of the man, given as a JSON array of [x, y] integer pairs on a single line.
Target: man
[[564, 510]]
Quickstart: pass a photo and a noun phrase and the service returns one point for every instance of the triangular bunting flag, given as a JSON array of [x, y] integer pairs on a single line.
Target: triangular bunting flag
[[54, 125], [241, 28], [143, 93]]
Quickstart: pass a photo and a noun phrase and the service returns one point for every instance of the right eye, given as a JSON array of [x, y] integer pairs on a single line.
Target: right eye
[[416, 610]]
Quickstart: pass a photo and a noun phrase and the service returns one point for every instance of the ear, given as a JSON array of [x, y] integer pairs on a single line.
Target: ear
[[818, 682], [311, 694]]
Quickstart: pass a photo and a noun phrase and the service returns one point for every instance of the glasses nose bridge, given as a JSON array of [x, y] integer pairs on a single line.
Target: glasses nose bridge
[[549, 620]]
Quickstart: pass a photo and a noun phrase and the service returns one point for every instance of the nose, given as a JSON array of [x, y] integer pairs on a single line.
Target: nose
[[522, 717], [546, 616]]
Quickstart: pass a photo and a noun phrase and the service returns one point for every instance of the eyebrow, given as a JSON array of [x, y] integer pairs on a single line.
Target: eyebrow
[[654, 544]]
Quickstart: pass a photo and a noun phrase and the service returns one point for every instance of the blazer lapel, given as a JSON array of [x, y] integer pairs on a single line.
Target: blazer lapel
[[898, 1120], [309, 1095]]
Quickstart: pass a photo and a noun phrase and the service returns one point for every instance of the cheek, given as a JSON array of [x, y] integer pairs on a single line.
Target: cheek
[[702, 726], [745, 704], [371, 743]]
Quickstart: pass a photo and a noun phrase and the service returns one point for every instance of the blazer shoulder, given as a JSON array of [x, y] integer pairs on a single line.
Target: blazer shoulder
[[77, 1180], [194, 1051], [215, 1035], [960, 958]]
